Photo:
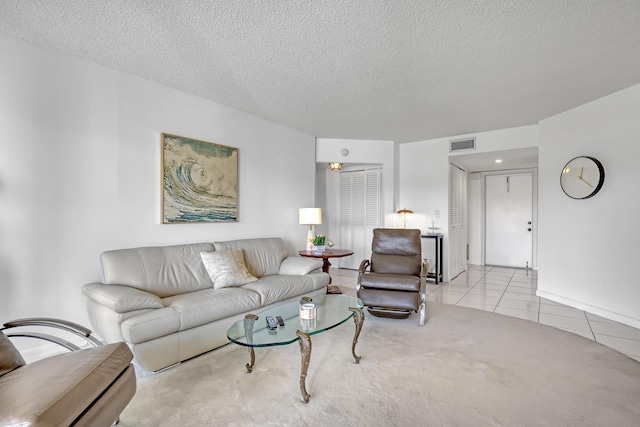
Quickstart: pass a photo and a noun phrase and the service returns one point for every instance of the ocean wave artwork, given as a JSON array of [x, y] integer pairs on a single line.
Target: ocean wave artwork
[[200, 181]]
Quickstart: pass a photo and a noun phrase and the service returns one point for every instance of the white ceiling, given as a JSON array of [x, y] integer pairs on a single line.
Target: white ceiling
[[357, 69]]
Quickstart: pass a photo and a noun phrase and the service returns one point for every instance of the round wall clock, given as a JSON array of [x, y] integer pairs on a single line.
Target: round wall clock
[[582, 177]]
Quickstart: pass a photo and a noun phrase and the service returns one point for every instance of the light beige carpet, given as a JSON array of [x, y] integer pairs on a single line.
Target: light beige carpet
[[465, 367]]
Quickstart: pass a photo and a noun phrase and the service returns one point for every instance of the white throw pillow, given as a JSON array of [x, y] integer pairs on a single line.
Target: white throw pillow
[[227, 268]]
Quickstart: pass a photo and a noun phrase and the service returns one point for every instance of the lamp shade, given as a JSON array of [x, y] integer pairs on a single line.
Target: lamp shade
[[310, 216], [404, 213]]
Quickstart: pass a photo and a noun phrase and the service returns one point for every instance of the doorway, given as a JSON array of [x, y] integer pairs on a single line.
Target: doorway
[[509, 219]]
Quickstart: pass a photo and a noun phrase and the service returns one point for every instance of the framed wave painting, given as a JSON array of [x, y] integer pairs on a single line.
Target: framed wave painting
[[200, 181]]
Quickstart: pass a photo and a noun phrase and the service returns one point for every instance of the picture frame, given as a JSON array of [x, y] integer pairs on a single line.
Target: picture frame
[[199, 181]]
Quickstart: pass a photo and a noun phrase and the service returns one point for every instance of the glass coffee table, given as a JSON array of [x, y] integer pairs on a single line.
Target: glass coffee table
[[331, 311]]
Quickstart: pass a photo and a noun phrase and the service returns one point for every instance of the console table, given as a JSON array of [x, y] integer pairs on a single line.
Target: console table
[[437, 240]]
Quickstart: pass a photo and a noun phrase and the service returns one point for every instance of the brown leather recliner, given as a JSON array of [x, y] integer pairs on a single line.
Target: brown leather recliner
[[84, 387], [391, 285]]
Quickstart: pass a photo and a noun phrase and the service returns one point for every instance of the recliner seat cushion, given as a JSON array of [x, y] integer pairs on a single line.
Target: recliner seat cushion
[[390, 299], [37, 393], [397, 282]]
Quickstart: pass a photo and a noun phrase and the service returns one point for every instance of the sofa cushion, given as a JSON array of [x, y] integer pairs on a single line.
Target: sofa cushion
[[227, 268], [187, 311], [161, 270], [87, 373], [297, 265], [280, 287], [198, 308], [262, 256], [10, 357]]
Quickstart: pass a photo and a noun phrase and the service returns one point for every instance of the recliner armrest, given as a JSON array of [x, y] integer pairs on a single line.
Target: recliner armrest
[[121, 299], [361, 270]]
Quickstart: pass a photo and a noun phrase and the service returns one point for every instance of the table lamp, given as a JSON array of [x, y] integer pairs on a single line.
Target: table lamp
[[404, 213], [310, 217]]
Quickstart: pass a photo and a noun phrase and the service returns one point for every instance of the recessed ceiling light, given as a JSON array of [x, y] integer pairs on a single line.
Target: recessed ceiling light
[[498, 160]]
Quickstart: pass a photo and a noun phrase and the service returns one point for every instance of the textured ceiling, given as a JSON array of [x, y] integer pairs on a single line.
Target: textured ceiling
[[361, 69]]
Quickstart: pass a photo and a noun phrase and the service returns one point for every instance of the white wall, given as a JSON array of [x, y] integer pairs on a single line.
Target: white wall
[[424, 175], [589, 248], [80, 174]]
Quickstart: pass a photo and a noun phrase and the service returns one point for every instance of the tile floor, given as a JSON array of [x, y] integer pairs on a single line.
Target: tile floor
[[511, 292]]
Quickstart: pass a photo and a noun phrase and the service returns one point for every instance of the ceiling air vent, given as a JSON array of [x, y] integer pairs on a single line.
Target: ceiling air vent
[[462, 144]]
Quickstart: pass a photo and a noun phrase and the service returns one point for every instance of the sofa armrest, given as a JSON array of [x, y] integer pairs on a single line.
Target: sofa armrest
[[299, 266], [121, 299]]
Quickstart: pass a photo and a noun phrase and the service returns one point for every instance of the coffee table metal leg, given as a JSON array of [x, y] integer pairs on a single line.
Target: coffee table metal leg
[[305, 353], [358, 319], [249, 320], [252, 355]]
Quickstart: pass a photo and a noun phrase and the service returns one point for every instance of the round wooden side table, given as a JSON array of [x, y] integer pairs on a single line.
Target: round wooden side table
[[330, 253]]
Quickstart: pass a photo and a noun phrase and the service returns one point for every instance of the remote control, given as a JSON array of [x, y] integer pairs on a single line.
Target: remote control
[[271, 324], [280, 321]]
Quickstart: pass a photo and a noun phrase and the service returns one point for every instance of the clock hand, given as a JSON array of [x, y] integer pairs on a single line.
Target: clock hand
[[583, 180], [581, 171]]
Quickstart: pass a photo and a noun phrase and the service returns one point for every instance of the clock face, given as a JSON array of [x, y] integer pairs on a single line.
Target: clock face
[[582, 177]]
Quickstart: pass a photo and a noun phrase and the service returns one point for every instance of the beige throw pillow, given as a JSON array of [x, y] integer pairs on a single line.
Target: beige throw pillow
[[227, 268]]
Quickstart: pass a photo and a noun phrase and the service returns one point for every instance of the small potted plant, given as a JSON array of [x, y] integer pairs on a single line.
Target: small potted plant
[[318, 243]]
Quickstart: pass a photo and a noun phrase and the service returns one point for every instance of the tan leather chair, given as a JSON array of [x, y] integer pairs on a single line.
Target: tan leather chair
[[84, 387], [391, 284]]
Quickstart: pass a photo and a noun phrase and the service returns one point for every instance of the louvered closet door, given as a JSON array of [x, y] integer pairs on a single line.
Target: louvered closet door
[[374, 208], [360, 213], [457, 221]]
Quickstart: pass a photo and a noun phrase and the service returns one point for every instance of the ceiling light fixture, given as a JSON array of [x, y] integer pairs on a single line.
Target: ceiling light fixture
[[498, 160], [335, 166]]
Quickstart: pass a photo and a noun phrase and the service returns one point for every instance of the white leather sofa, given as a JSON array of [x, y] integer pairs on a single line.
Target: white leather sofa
[[163, 303]]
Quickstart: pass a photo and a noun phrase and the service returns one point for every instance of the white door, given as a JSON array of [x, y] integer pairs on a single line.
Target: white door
[[509, 220]]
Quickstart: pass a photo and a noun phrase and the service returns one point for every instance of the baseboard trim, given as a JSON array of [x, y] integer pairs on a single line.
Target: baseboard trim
[[598, 311]]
